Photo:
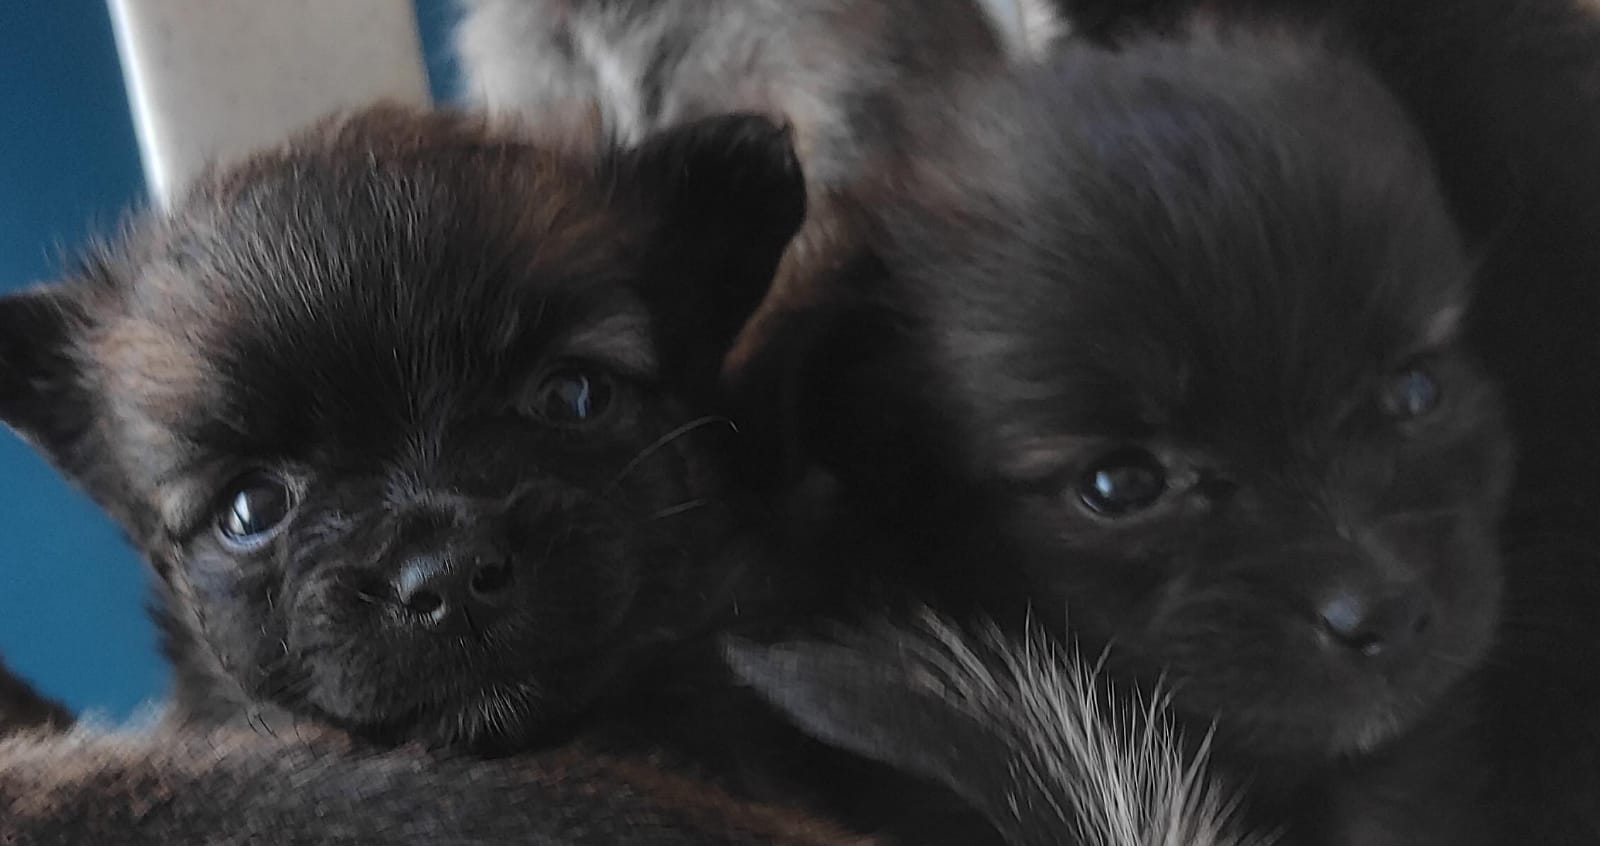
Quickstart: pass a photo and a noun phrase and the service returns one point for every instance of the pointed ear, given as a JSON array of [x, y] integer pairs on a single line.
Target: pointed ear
[[875, 703], [1017, 728], [725, 195], [42, 396]]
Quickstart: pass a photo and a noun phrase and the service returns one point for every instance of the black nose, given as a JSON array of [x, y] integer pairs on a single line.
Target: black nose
[[454, 593], [1373, 624]]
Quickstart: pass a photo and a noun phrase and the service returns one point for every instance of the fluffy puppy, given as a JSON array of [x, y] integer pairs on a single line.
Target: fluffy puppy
[[1504, 93], [1168, 344], [411, 418], [839, 71]]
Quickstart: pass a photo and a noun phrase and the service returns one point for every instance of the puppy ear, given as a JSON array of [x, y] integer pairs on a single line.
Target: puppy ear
[[725, 195], [42, 396], [875, 703]]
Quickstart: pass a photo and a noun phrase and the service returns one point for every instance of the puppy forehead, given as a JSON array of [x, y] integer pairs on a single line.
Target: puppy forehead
[[355, 301]]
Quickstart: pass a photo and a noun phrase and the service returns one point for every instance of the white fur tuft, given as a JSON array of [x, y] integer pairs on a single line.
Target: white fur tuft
[[1112, 778]]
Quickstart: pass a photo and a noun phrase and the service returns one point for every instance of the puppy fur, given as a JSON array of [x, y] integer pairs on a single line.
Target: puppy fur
[[838, 71], [22, 707], [319, 786], [1504, 92], [1019, 728], [1166, 343], [408, 350]]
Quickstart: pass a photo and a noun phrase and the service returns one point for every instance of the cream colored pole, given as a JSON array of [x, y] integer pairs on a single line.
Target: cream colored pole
[[212, 80]]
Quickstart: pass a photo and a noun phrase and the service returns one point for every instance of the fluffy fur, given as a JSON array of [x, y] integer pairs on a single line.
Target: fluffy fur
[[22, 707], [838, 71], [1505, 94], [1217, 273], [318, 786], [1019, 728], [474, 375]]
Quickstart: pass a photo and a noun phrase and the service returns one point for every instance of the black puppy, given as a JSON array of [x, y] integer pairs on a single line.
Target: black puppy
[[1504, 92], [1167, 346], [413, 420]]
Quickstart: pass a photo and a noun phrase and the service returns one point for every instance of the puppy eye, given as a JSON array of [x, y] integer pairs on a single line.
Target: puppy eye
[[1126, 481], [573, 396], [253, 508], [1411, 393]]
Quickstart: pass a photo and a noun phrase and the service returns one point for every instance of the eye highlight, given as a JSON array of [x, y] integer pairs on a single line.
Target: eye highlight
[[1123, 482], [1411, 393], [252, 510], [573, 396]]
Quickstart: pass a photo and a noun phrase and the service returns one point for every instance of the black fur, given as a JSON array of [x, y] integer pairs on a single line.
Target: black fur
[[370, 319], [23, 708], [1504, 92], [1216, 255]]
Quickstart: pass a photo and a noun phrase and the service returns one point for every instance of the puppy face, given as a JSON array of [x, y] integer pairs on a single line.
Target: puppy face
[[413, 420], [1186, 339]]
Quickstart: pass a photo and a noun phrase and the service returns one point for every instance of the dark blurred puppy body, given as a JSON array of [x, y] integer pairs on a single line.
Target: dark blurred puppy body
[[315, 785], [1167, 348]]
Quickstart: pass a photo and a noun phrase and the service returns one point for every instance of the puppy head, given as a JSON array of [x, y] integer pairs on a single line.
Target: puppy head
[[1186, 319], [411, 419]]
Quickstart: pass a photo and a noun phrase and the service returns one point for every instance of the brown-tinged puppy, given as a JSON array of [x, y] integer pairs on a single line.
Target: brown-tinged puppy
[[1505, 94], [414, 420], [1166, 347], [841, 72]]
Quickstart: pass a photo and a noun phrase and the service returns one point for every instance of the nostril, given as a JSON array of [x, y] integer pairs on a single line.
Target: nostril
[[423, 602], [1372, 626], [444, 594], [1345, 618], [490, 578], [423, 586]]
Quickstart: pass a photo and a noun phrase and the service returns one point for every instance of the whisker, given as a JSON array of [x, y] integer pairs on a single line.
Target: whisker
[[680, 508], [662, 441]]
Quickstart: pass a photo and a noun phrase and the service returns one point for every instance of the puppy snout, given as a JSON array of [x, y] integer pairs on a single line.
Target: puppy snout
[[1374, 623], [455, 593]]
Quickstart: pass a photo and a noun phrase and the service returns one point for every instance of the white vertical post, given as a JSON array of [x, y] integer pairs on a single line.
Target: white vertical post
[[213, 80]]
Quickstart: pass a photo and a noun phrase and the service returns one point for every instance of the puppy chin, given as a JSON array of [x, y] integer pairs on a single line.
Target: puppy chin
[[1317, 705], [447, 700]]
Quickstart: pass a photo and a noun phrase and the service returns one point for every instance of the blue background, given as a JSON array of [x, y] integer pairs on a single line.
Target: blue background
[[72, 594]]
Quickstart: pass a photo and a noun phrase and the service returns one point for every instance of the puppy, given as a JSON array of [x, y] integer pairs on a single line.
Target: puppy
[[1504, 93], [414, 420], [839, 71], [1167, 344]]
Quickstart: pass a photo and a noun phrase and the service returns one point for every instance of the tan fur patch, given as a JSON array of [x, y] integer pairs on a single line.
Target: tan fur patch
[[149, 368]]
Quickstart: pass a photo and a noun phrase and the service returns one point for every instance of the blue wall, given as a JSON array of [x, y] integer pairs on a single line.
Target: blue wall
[[72, 593]]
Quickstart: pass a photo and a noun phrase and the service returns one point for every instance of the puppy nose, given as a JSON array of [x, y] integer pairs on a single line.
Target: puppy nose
[[454, 594], [1374, 624]]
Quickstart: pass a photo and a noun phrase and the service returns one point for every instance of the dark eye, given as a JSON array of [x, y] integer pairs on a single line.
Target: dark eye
[[1411, 393], [573, 396], [1123, 482], [253, 508]]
